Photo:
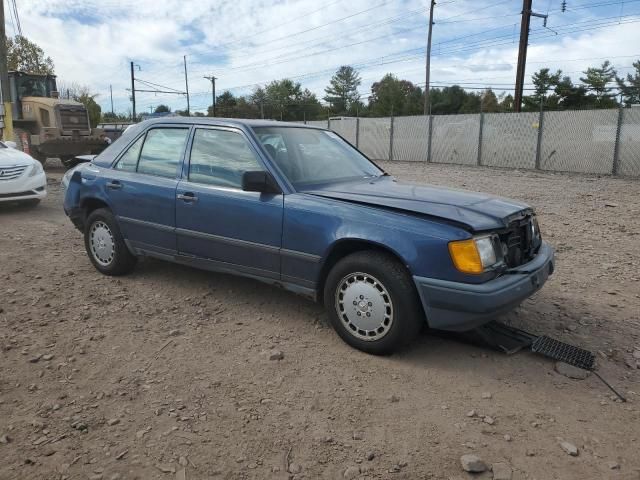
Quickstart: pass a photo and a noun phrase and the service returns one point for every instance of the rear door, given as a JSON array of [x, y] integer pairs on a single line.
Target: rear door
[[142, 188], [215, 218]]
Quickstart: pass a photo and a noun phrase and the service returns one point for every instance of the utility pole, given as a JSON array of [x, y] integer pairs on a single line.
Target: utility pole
[[427, 88], [186, 83], [133, 95], [213, 92], [5, 95], [522, 50], [111, 95]]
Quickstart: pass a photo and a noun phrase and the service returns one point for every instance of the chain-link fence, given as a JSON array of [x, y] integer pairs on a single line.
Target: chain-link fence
[[583, 141]]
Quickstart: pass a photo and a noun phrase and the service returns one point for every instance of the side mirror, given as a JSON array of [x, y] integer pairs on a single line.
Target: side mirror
[[259, 181], [11, 144]]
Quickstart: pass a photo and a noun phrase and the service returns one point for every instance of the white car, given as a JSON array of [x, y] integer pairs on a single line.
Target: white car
[[22, 178]]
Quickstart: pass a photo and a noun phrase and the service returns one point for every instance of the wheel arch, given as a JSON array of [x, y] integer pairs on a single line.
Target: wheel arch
[[91, 204], [346, 246]]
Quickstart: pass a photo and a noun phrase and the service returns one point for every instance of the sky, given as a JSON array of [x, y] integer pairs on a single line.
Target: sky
[[246, 43]]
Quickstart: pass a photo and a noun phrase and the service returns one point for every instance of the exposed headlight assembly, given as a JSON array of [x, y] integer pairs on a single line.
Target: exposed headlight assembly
[[475, 255]]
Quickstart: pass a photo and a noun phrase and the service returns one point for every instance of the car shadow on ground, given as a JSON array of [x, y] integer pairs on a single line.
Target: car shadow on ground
[[431, 350], [12, 207]]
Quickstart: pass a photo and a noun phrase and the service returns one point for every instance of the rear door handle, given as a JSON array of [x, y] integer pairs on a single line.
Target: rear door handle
[[187, 197], [115, 185]]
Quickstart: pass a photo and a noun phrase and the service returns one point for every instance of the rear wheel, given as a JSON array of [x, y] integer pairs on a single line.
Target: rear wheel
[[105, 245], [372, 302]]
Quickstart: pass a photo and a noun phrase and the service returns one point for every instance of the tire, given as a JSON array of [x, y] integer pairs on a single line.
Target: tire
[[376, 285], [105, 245]]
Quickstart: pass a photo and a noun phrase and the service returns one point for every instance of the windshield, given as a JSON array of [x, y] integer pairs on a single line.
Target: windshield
[[32, 87], [309, 156]]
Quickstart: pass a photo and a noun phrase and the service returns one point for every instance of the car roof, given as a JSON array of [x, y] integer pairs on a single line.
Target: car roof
[[225, 122]]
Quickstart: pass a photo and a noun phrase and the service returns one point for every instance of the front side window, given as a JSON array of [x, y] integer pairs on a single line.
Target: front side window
[[220, 157], [162, 151], [309, 156], [129, 161]]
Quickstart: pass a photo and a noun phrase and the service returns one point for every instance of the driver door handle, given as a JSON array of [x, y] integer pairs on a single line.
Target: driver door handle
[[114, 185], [187, 197]]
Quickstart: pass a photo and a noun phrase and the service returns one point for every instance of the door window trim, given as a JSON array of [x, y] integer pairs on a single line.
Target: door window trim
[[181, 160], [187, 163]]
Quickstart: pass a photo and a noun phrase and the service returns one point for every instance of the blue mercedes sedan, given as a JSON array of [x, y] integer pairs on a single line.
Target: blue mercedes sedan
[[300, 207]]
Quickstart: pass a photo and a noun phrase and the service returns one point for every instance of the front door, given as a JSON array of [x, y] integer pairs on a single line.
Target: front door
[[142, 188], [215, 218]]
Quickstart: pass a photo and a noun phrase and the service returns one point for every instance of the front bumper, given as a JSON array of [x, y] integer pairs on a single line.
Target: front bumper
[[23, 188], [462, 306]]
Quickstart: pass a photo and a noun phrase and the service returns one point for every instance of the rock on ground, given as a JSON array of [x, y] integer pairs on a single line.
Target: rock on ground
[[472, 463], [570, 371]]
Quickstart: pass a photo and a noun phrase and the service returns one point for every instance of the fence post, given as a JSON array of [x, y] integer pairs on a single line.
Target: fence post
[[391, 139], [616, 148], [539, 143], [429, 139], [304, 116], [328, 124], [357, 132], [480, 138]]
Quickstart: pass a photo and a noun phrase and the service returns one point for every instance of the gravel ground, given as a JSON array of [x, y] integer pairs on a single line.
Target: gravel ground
[[168, 372]]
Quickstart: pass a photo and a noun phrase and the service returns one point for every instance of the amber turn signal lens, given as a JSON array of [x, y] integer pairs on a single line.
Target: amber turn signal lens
[[465, 256]]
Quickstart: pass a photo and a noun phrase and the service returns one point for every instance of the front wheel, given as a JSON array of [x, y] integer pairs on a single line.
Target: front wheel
[[105, 245], [372, 302]]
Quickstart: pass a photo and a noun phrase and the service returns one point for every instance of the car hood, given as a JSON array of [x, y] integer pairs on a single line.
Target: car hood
[[10, 157], [476, 211]]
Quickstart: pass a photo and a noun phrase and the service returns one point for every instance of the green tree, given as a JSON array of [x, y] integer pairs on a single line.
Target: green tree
[[489, 101], [448, 100], [259, 99], [225, 105], [543, 81], [108, 117], [93, 109], [391, 96], [342, 91], [506, 102], [630, 88], [162, 109], [26, 56], [597, 80], [571, 96], [280, 95]]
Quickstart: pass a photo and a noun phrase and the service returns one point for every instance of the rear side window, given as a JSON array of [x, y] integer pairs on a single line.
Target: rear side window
[[129, 161], [162, 151], [220, 157]]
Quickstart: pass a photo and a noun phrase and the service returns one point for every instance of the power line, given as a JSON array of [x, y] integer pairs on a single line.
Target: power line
[[17, 17], [347, 33], [279, 25]]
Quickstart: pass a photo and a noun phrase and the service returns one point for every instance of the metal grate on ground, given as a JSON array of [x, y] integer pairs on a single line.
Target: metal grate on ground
[[563, 352]]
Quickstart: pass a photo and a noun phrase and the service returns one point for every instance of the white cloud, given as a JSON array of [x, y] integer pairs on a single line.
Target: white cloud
[[247, 42]]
